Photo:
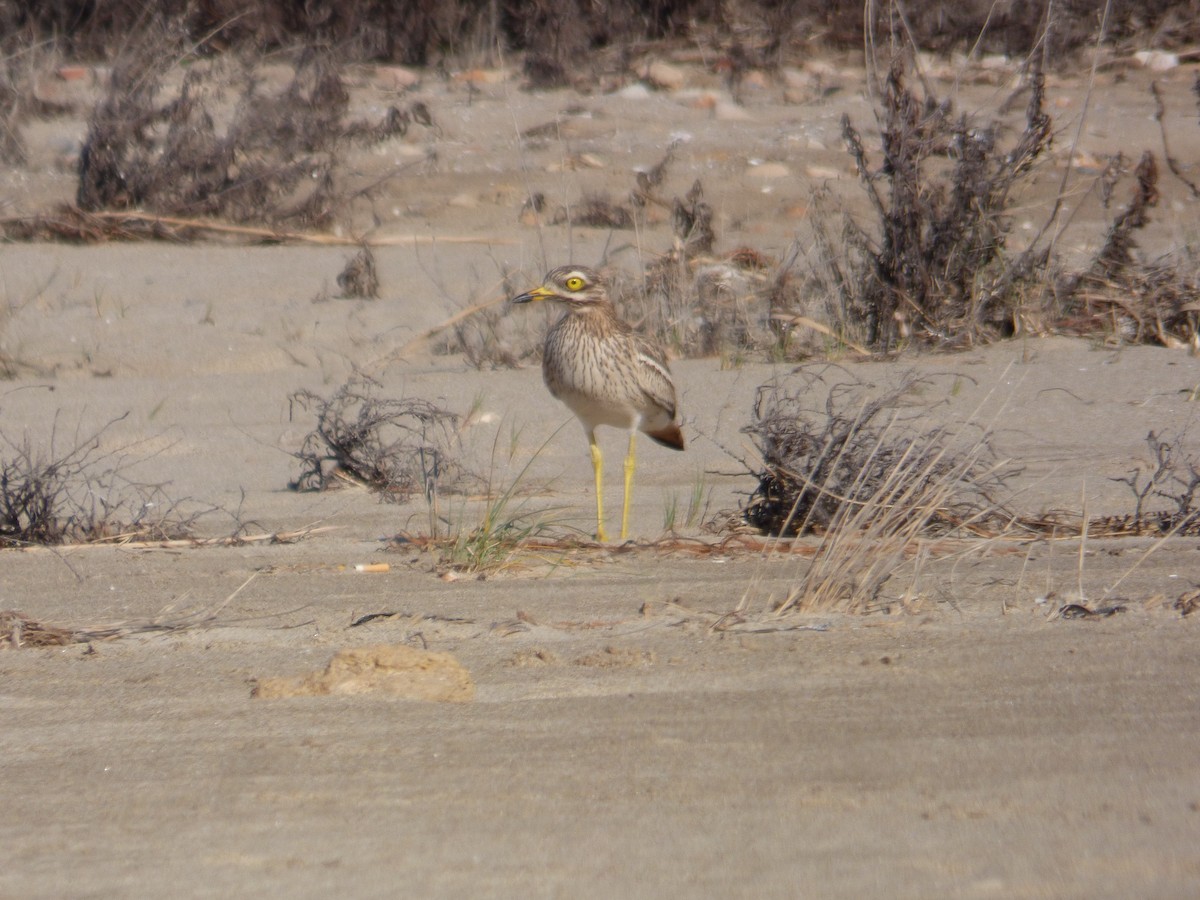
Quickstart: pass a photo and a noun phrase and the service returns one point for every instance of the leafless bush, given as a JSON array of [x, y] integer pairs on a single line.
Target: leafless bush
[[870, 476], [491, 339], [25, 70], [696, 303], [1167, 497], [936, 266], [1135, 300], [54, 496], [561, 34], [866, 453], [277, 160], [396, 447]]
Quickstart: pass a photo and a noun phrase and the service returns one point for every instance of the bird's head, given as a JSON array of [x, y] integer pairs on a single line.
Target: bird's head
[[576, 286]]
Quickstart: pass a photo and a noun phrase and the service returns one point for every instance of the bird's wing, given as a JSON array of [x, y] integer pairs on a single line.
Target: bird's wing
[[654, 377]]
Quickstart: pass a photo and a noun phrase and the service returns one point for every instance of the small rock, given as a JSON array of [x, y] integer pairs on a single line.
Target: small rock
[[1157, 60], [797, 78], [396, 78], [730, 112], [822, 173], [637, 91], [482, 76], [700, 99], [769, 170], [663, 75], [821, 69], [755, 79]]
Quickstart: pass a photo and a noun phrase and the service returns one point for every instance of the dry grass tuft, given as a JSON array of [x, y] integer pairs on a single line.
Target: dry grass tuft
[[81, 494], [396, 447], [18, 630], [864, 455], [1132, 300]]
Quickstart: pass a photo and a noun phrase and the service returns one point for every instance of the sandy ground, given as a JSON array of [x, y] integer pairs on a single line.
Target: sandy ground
[[618, 744]]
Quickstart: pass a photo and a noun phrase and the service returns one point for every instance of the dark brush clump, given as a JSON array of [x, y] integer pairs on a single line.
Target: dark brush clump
[[396, 447], [1135, 300], [53, 496], [359, 278], [1167, 495], [860, 445], [938, 268], [562, 32], [277, 160]]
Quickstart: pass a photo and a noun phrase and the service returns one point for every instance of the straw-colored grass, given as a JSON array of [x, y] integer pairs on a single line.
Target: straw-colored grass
[[18, 630], [869, 542]]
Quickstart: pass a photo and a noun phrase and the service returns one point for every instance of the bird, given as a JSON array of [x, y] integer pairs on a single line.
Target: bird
[[605, 373]]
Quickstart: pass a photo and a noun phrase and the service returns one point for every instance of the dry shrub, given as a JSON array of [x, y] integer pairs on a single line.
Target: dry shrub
[[562, 38], [869, 475], [1134, 300], [936, 267], [594, 211], [693, 302], [493, 339], [28, 71], [1167, 496], [490, 337], [53, 496], [702, 305], [863, 455], [276, 159], [396, 447], [359, 278]]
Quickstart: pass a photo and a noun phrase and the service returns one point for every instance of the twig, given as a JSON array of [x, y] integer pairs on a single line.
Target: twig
[[1087, 101], [1162, 128], [1083, 534], [254, 231], [793, 320], [278, 537]]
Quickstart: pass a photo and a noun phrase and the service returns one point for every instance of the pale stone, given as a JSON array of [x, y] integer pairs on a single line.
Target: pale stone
[[664, 76], [769, 170]]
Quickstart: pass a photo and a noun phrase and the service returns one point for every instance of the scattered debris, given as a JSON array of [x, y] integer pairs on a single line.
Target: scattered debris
[[1079, 611]]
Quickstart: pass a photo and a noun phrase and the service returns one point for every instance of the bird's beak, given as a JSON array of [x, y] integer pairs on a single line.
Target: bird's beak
[[538, 293]]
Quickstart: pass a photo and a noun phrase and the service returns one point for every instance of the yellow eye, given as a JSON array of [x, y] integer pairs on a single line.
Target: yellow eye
[[574, 283]]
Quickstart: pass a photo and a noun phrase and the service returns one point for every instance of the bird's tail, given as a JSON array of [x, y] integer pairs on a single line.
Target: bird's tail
[[670, 436]]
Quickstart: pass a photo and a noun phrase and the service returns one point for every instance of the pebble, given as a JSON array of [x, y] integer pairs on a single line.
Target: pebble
[[769, 170], [663, 76]]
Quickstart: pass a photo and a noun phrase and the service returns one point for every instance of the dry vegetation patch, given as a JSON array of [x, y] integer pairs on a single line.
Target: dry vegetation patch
[[270, 156], [842, 452], [72, 490], [395, 446]]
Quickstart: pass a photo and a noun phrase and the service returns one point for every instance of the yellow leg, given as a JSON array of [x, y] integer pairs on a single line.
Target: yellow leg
[[629, 465], [598, 468]]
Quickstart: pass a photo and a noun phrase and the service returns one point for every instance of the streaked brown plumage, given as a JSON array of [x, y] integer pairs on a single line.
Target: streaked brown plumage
[[604, 372]]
